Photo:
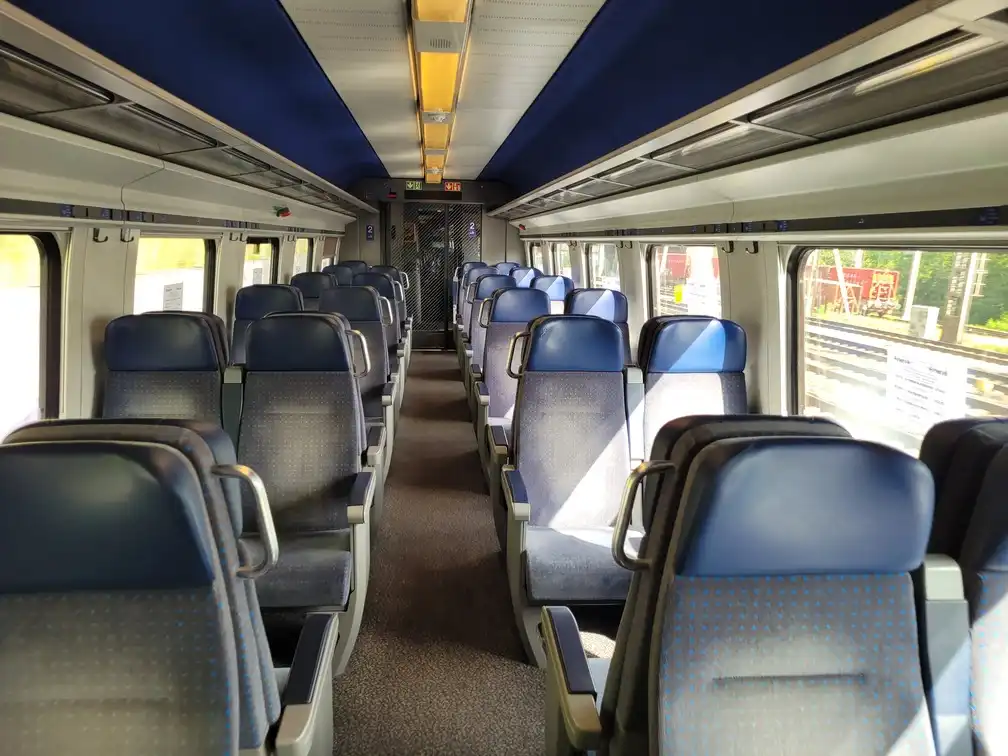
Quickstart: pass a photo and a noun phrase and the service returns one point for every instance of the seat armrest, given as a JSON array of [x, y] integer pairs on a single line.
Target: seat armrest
[[393, 365], [515, 494], [482, 394], [400, 351], [307, 699], [570, 692], [376, 435], [361, 496], [475, 373], [388, 394], [499, 439]]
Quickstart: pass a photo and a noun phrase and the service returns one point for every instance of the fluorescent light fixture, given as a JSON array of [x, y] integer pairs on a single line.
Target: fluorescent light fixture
[[952, 54]]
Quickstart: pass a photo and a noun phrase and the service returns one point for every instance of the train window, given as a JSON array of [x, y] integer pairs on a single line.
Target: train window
[[685, 280], [562, 260], [22, 297], [893, 341], [326, 262], [603, 267], [171, 274], [303, 249], [260, 262], [538, 258]]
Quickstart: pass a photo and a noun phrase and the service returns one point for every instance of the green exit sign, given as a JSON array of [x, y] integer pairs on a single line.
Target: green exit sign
[[414, 186]]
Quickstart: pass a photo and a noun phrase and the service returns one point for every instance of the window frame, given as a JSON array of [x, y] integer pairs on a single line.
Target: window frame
[[274, 266], [555, 259], [209, 265], [589, 268], [50, 319], [310, 263]]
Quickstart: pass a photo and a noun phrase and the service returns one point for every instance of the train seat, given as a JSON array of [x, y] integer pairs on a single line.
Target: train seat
[[608, 304], [395, 337], [458, 286], [473, 354], [258, 301], [467, 288], [525, 276], [162, 365], [402, 281], [693, 365], [303, 432], [311, 285], [509, 313], [505, 268], [357, 266], [217, 326], [571, 458], [361, 306], [205, 446], [342, 274], [797, 639], [558, 287]]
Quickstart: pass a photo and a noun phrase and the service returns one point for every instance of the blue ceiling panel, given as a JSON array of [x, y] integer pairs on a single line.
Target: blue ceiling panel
[[241, 61], [642, 64]]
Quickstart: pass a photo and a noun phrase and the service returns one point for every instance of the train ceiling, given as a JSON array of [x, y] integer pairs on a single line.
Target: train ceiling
[[546, 85]]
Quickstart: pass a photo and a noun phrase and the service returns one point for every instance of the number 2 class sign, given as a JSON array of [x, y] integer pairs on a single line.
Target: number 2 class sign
[[369, 232]]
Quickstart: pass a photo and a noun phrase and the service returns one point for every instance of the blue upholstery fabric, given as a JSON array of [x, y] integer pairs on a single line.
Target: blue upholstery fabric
[[217, 327], [312, 284], [342, 273], [400, 292], [382, 283], [697, 344], [389, 270], [174, 342], [488, 284], [575, 565], [574, 343], [459, 289], [505, 267], [558, 287], [111, 644], [306, 341], [258, 301], [485, 288], [518, 305], [602, 303], [745, 490], [525, 276], [468, 278], [356, 303], [357, 266]]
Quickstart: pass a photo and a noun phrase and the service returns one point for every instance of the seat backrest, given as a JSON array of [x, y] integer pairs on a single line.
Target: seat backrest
[[505, 268], [312, 284], [469, 278], [557, 287], [678, 442], [343, 274], [216, 323], [603, 303], [525, 276], [357, 266], [400, 288], [693, 367], [302, 427], [361, 307], [511, 310], [117, 635], [204, 445], [570, 423], [382, 283], [258, 301], [797, 585], [458, 283], [162, 365], [983, 557], [485, 287]]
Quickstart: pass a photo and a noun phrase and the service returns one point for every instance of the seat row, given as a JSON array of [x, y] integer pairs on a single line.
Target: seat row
[[130, 617], [301, 422], [803, 592]]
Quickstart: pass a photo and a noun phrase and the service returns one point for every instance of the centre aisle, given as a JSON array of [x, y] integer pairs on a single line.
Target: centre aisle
[[438, 665]]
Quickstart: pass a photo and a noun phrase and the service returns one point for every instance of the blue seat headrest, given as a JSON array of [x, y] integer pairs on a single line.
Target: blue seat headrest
[[303, 341], [380, 282], [558, 287], [602, 303], [488, 284], [342, 274], [802, 506], [259, 300], [357, 266], [467, 266], [696, 344], [175, 342], [470, 275], [505, 268], [518, 305], [525, 276], [101, 516], [390, 270], [356, 303], [574, 344], [313, 283], [985, 545]]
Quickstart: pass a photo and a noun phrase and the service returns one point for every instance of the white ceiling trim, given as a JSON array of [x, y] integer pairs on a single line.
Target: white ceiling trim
[[362, 47], [515, 47]]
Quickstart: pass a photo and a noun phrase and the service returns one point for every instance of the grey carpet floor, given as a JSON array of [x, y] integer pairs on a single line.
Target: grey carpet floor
[[438, 667]]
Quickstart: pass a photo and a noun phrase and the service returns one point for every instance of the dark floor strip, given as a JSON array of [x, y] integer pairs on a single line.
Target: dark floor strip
[[438, 667]]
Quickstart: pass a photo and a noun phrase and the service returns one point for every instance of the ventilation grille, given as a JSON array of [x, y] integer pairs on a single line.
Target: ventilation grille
[[32, 89], [949, 72]]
